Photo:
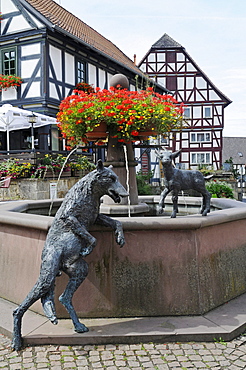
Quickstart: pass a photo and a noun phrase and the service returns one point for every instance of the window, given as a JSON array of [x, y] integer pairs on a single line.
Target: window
[[81, 71], [8, 57], [201, 158], [201, 137], [165, 141], [207, 112], [186, 113]]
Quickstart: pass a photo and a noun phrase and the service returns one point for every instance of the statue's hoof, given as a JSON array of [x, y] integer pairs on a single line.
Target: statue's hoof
[[81, 328], [16, 344]]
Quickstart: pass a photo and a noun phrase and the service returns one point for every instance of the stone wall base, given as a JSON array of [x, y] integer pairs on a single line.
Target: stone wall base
[[36, 189]]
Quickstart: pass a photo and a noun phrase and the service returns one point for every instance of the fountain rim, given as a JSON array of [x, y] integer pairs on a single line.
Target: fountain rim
[[227, 210]]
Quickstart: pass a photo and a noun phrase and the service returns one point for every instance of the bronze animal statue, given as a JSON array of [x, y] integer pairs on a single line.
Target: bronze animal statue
[[68, 241], [177, 180]]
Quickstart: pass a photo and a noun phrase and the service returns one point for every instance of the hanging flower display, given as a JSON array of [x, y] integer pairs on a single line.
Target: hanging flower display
[[9, 80], [127, 115], [83, 86]]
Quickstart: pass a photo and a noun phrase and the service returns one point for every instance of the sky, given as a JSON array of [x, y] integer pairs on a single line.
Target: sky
[[212, 32]]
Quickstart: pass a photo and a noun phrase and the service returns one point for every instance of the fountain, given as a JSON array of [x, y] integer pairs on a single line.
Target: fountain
[[168, 266], [183, 266]]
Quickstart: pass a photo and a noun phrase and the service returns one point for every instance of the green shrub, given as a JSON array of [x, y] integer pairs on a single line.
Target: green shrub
[[219, 189], [144, 187]]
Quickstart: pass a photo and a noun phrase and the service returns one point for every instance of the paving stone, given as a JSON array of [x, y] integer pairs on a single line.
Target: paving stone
[[94, 358], [198, 364], [108, 363], [240, 363], [147, 365], [174, 364], [110, 347], [143, 359], [107, 355], [81, 362], [168, 356], [135, 347], [140, 353], [187, 364]]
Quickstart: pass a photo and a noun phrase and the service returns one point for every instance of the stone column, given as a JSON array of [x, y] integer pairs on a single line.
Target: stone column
[[116, 158]]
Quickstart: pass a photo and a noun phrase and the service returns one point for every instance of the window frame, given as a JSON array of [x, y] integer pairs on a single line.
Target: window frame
[[81, 74], [185, 116], [204, 112], [195, 134], [207, 157], [9, 70]]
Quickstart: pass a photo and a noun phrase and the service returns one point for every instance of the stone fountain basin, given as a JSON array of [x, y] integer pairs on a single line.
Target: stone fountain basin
[[183, 266]]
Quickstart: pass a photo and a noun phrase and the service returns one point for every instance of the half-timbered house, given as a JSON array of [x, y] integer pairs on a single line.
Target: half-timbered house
[[52, 50], [168, 63]]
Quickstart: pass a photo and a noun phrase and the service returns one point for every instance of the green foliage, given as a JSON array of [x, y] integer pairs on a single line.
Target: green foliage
[[82, 163], [144, 187], [219, 189]]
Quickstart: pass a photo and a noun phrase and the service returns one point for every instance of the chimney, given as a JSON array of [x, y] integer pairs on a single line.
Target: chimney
[[135, 59]]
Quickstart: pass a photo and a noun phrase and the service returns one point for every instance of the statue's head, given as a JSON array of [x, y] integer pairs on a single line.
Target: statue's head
[[108, 183], [165, 156]]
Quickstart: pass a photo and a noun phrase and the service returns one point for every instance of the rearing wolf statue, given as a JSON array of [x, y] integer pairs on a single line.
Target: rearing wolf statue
[[68, 241]]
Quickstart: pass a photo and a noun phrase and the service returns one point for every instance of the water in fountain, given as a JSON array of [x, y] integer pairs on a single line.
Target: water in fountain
[[60, 173], [127, 180]]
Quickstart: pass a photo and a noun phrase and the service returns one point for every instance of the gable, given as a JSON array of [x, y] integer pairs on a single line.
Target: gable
[[170, 64], [59, 19], [16, 19]]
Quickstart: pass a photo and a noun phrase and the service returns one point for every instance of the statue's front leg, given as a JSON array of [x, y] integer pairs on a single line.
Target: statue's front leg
[[161, 204], [115, 225], [80, 230], [175, 204]]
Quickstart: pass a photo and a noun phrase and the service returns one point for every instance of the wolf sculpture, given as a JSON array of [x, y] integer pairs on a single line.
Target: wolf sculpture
[[177, 180], [68, 241]]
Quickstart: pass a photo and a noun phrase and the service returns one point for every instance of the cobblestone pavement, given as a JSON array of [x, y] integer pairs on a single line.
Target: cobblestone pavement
[[182, 356]]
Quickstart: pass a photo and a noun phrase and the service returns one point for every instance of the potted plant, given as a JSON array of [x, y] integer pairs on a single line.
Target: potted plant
[[122, 114], [7, 81], [15, 168], [51, 166], [81, 166]]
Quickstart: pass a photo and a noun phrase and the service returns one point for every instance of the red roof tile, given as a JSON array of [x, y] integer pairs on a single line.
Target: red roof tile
[[68, 22]]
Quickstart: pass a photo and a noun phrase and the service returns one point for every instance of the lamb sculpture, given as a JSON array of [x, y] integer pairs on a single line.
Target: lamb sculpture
[[177, 180]]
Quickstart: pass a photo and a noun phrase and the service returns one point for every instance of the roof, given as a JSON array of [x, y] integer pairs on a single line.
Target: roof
[[232, 146], [166, 42], [66, 22]]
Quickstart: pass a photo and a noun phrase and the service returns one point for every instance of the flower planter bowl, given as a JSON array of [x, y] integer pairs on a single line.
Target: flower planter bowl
[[99, 132]]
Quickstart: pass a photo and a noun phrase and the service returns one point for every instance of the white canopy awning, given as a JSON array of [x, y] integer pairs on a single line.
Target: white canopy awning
[[12, 118]]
